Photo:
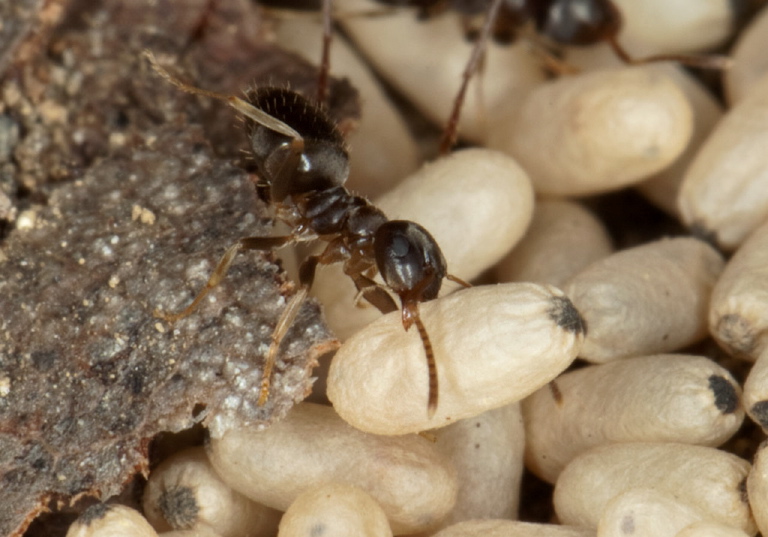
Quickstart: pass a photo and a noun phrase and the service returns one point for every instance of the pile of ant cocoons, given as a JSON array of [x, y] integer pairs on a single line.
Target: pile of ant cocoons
[[630, 438]]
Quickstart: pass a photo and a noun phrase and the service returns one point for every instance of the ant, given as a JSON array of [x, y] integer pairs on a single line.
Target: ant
[[302, 165], [546, 23]]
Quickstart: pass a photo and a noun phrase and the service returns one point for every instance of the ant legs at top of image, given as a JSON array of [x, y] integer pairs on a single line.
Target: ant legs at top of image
[[302, 162]]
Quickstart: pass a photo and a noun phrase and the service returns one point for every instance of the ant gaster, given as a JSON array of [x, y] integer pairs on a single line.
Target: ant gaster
[[303, 164]]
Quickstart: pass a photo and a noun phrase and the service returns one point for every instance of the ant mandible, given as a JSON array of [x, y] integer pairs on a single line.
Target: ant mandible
[[303, 164], [553, 22]]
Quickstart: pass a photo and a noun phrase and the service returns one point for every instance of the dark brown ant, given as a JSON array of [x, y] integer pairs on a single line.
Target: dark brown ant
[[546, 23], [302, 165]]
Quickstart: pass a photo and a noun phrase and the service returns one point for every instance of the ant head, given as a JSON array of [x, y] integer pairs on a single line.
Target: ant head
[[298, 149], [579, 22], [409, 260]]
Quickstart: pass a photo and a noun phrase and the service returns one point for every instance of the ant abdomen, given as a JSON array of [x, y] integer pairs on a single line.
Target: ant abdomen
[[285, 105], [311, 158], [409, 260]]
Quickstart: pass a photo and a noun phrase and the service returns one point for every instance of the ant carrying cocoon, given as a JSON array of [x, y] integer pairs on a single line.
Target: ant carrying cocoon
[[303, 164]]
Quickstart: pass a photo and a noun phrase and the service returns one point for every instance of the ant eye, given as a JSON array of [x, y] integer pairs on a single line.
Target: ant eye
[[399, 247]]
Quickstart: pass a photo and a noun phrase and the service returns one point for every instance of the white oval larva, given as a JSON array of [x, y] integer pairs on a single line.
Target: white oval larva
[[662, 398], [563, 238], [597, 131], [728, 211], [184, 493], [493, 345], [476, 203], [737, 318], [757, 488], [645, 512], [704, 478], [382, 149], [663, 189], [111, 520], [512, 528], [404, 50], [312, 446], [710, 529], [750, 62], [336, 510], [487, 451], [756, 391], [648, 299]]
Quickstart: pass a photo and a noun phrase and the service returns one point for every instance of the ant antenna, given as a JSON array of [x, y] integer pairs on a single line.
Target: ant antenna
[[431, 366], [245, 108]]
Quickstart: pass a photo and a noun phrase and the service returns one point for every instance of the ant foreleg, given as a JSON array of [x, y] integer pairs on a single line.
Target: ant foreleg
[[478, 52], [247, 243], [374, 293]]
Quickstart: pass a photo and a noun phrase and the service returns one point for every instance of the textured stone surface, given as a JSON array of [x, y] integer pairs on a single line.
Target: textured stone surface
[[114, 202]]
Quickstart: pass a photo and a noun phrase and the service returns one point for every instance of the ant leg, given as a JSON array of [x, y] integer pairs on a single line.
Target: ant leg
[[285, 321], [717, 62], [333, 253], [478, 52], [410, 313], [374, 293], [325, 61], [201, 27], [247, 243]]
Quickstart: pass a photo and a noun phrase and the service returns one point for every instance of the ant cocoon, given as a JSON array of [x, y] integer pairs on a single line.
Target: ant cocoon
[[649, 512], [726, 212], [739, 299], [507, 528], [705, 478], [649, 299], [341, 509], [661, 398], [110, 520], [313, 446], [184, 493], [523, 335], [564, 237]]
